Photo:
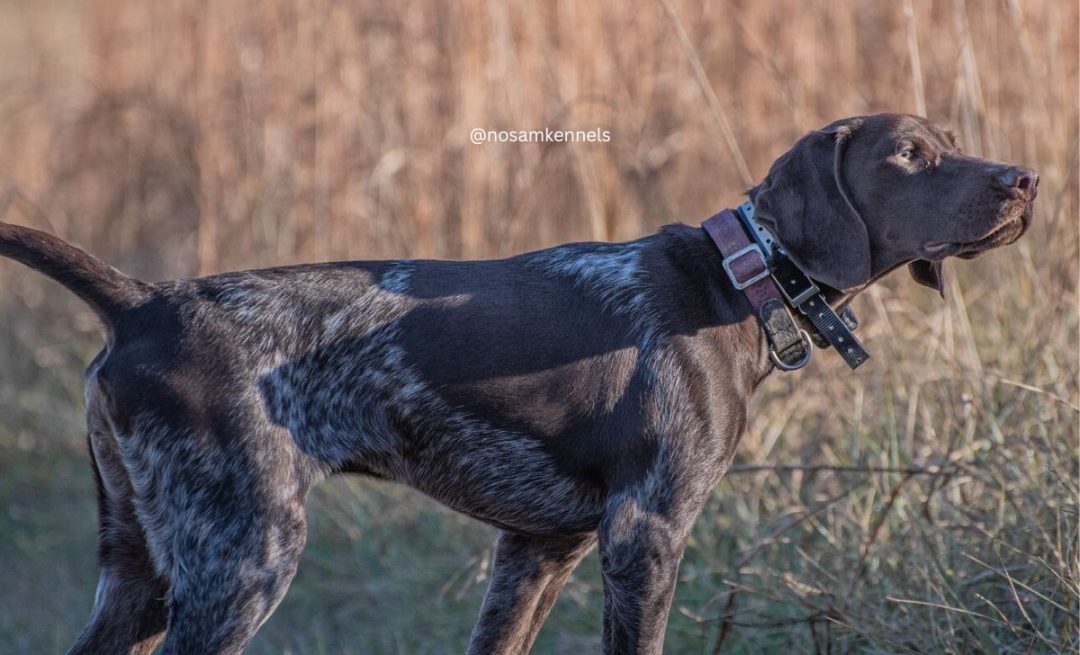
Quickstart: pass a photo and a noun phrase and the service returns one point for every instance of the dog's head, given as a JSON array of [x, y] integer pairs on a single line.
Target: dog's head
[[863, 195]]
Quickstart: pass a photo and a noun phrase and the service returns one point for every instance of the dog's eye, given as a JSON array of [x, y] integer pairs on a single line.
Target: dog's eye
[[908, 153]]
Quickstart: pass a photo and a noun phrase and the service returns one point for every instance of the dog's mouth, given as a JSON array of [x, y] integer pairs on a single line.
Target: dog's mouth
[[1017, 220]]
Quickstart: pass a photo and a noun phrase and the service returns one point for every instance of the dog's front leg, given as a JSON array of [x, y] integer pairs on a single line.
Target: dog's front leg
[[641, 546], [527, 576]]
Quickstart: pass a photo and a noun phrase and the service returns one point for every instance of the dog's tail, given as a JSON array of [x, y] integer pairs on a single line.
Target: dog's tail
[[109, 292]]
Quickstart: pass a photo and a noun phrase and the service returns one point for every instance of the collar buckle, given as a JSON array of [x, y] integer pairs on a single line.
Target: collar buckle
[[756, 264], [752, 275], [800, 296]]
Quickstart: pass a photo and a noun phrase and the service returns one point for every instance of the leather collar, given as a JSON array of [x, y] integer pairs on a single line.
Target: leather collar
[[757, 265]]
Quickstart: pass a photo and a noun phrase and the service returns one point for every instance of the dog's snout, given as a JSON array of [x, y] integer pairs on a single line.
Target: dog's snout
[[1019, 180]]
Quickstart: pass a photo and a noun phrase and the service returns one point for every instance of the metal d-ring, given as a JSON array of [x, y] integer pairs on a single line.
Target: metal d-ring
[[808, 348]]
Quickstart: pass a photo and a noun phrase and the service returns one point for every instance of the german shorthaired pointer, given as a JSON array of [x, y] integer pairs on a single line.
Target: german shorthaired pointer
[[588, 394]]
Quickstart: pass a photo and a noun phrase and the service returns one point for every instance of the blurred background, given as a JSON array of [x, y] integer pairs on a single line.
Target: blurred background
[[927, 503]]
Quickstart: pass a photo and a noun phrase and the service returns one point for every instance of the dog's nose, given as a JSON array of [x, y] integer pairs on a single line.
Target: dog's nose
[[1018, 179]]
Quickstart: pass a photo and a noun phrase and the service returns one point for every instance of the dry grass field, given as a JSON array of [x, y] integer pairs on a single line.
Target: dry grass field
[[925, 504]]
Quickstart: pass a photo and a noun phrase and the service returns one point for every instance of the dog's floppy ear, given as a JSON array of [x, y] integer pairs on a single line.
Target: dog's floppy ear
[[804, 203], [928, 274]]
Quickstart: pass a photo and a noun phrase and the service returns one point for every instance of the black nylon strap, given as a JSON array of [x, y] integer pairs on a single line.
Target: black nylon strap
[[804, 296], [829, 325]]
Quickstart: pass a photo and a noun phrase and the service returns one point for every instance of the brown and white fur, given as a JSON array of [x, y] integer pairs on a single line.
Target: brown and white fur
[[586, 395]]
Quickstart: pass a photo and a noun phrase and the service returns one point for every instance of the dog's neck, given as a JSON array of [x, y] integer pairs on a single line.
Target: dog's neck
[[700, 288], [840, 299]]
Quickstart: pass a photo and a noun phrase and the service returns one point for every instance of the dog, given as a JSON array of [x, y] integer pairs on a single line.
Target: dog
[[587, 395]]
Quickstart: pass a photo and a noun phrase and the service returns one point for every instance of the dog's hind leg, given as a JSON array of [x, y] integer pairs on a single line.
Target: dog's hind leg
[[129, 614], [235, 538], [222, 592], [528, 574]]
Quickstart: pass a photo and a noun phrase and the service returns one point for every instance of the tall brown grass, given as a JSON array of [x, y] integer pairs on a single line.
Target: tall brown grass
[[927, 503]]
